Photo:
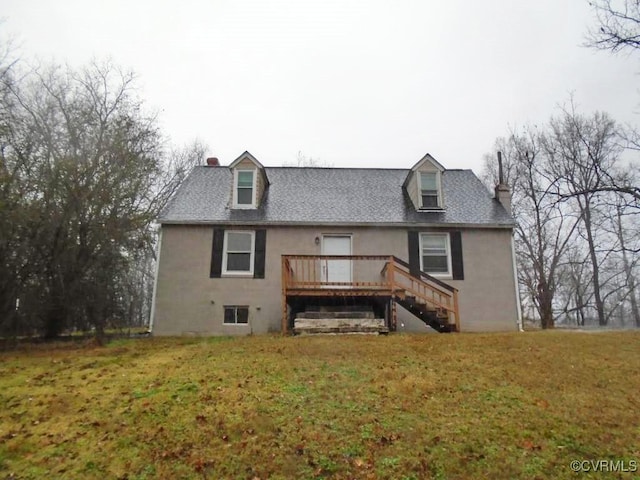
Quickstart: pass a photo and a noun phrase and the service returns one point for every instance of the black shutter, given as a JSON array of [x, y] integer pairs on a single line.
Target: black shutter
[[259, 257], [456, 256], [216, 252], [414, 254]]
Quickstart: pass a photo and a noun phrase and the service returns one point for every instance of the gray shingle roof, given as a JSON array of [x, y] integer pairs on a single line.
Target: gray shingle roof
[[333, 196]]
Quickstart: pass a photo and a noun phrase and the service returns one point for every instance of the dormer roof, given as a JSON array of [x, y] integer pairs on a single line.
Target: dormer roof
[[246, 156], [426, 161]]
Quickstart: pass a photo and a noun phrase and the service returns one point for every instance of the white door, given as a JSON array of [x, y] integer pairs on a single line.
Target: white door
[[336, 270]]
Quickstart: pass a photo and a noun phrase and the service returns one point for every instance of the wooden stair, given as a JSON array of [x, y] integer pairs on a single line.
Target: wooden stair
[[438, 319], [426, 297]]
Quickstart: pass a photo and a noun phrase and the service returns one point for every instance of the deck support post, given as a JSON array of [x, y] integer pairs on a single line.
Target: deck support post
[[392, 288], [284, 280], [456, 310], [394, 315]]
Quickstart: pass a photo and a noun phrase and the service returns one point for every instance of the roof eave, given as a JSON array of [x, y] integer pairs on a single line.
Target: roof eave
[[341, 224]]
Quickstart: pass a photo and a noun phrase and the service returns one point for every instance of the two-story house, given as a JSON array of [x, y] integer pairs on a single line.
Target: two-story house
[[248, 249]]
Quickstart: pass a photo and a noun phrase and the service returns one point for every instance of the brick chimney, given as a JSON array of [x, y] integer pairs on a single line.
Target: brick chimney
[[502, 191], [213, 162]]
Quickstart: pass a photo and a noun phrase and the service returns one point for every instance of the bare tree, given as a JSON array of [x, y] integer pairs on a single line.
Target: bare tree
[[630, 259], [307, 161], [543, 228], [84, 177], [576, 285], [617, 25], [14, 191], [574, 256], [582, 150]]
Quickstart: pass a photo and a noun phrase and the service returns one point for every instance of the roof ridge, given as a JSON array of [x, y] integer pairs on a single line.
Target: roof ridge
[[338, 168], [293, 167]]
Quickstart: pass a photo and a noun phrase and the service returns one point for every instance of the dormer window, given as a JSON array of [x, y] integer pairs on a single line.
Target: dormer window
[[250, 182], [244, 192], [429, 190]]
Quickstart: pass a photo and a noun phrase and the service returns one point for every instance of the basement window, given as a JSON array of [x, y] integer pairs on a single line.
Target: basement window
[[235, 315], [436, 254], [429, 183]]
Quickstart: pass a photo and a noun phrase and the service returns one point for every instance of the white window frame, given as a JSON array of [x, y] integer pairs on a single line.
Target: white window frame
[[236, 176], [235, 308], [449, 273], [238, 273], [438, 190]]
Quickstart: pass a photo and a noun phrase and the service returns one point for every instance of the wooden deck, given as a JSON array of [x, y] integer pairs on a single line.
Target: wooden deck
[[358, 276]]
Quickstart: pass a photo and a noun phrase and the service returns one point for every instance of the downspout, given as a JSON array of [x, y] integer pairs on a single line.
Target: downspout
[[155, 283], [503, 195], [515, 280]]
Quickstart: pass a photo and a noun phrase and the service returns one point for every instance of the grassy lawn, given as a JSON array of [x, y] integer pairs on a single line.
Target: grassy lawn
[[402, 406]]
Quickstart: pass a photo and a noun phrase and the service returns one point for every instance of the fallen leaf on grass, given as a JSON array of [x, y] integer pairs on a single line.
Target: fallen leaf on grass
[[542, 403], [529, 445]]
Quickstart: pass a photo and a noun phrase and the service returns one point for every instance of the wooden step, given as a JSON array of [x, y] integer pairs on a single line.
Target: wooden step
[[336, 315], [337, 308], [339, 325], [341, 331]]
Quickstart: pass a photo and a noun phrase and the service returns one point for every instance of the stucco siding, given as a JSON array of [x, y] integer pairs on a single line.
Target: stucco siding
[[188, 301], [259, 187], [488, 293], [246, 164]]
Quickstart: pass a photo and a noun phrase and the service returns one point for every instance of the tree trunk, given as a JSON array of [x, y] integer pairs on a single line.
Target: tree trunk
[[579, 308], [602, 320], [100, 336], [546, 318], [545, 305], [634, 303], [628, 272], [98, 325], [54, 322]]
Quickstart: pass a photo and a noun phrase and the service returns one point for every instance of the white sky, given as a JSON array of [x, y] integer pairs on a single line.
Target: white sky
[[366, 83]]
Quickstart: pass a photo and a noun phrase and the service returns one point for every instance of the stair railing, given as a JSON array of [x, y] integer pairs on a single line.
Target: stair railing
[[427, 289]]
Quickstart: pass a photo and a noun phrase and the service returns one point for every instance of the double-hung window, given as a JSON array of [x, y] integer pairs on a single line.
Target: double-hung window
[[238, 252], [435, 258], [244, 191], [429, 191]]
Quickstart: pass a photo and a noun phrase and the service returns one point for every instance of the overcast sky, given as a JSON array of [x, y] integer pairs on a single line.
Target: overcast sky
[[349, 82]]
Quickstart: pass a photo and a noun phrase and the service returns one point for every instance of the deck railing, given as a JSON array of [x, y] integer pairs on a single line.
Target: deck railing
[[334, 271], [385, 275]]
